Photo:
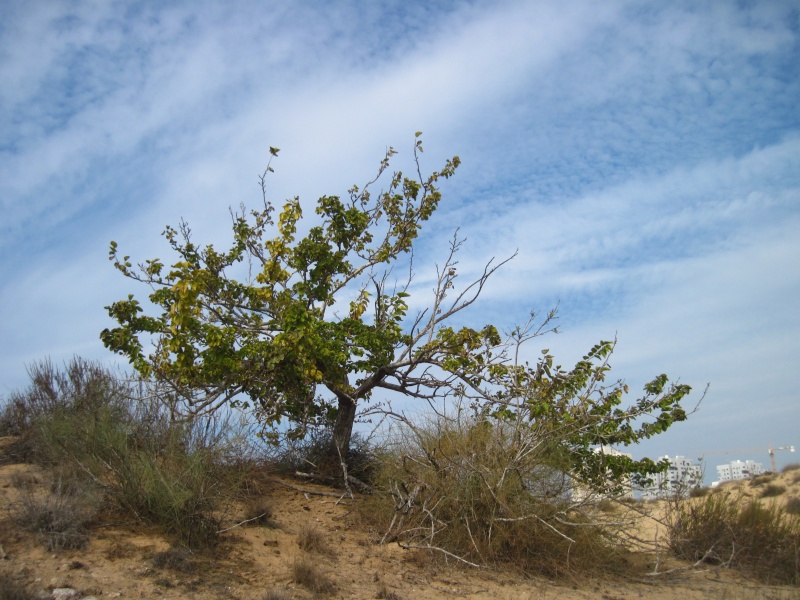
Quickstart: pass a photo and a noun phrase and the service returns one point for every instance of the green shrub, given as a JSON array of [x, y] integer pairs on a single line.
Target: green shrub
[[761, 542], [125, 438]]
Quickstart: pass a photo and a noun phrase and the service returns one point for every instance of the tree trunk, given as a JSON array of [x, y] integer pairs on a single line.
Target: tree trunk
[[343, 430]]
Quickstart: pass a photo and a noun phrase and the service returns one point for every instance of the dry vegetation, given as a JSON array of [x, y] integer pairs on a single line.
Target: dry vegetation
[[122, 502]]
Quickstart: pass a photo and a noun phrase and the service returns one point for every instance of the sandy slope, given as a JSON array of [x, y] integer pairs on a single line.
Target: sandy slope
[[118, 562]]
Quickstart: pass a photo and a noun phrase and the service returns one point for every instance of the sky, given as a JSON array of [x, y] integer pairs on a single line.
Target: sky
[[642, 159]]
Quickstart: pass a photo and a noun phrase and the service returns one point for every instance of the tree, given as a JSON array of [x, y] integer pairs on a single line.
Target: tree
[[273, 339], [262, 325]]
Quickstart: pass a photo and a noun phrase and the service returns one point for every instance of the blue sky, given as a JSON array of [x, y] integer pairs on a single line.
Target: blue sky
[[643, 158]]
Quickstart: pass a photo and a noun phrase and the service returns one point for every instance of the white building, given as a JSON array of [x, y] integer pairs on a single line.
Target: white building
[[683, 475], [738, 469]]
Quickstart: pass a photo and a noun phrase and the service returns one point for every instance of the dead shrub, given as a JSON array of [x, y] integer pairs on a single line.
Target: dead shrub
[[59, 517], [724, 529], [476, 492], [308, 574], [174, 559], [791, 467]]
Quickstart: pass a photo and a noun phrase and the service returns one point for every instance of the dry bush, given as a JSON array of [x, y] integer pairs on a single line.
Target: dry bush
[[699, 492], [124, 437], [791, 467], [724, 529], [771, 490], [762, 479], [11, 589], [478, 493], [308, 574], [792, 506], [311, 539], [59, 517]]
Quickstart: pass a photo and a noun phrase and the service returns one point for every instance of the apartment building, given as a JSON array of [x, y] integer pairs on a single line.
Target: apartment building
[[683, 475], [738, 469]]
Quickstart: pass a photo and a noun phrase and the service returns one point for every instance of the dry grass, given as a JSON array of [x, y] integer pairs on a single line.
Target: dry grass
[[277, 594], [384, 593], [725, 529], [310, 576]]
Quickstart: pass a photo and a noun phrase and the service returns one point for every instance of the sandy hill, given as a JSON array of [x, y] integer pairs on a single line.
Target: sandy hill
[[127, 560]]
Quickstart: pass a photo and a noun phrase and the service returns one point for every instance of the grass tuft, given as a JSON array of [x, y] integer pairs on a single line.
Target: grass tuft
[[311, 539], [308, 574]]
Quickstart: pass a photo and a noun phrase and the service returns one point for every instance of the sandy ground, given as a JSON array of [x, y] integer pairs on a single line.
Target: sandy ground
[[255, 561]]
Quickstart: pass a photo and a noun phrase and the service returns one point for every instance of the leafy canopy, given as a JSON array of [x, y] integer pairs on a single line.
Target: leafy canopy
[[273, 336]]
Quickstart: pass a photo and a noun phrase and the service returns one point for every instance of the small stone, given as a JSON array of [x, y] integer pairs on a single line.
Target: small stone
[[64, 594]]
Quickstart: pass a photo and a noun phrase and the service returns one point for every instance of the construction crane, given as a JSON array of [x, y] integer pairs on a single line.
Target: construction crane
[[770, 450]]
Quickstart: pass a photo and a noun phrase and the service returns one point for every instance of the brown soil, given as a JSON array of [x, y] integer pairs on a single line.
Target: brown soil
[[256, 562]]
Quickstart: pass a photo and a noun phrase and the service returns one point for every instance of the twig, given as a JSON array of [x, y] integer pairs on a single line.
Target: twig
[[443, 551], [242, 523], [305, 491]]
